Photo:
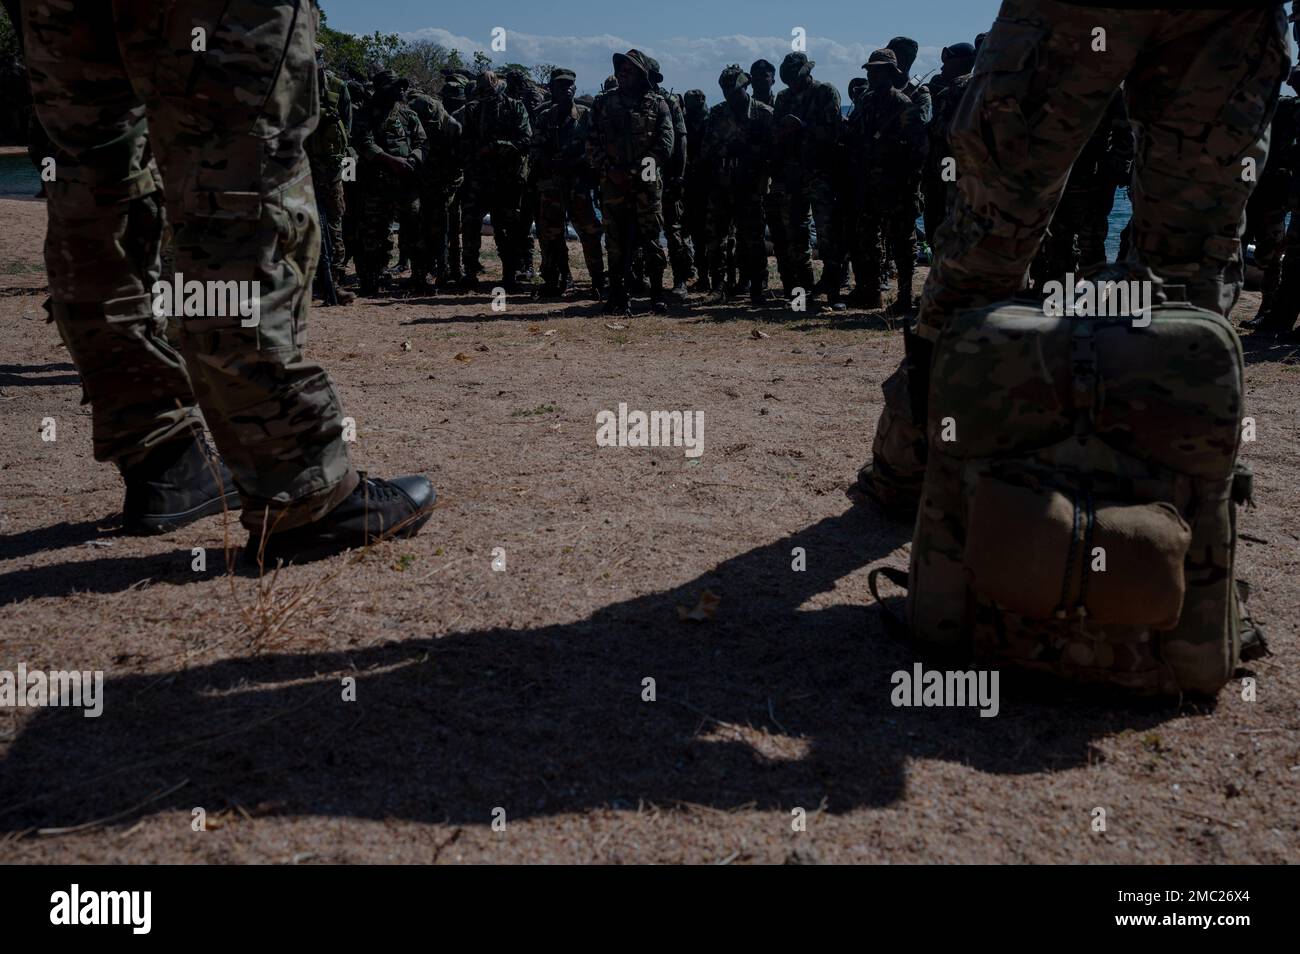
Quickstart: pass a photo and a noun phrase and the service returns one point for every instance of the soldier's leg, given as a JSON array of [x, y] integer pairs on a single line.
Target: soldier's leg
[[105, 228], [902, 228], [412, 237], [679, 255], [648, 209], [1006, 190], [620, 223], [719, 218], [552, 203], [753, 249], [774, 220], [529, 214], [1094, 225], [1203, 99], [375, 238], [504, 201], [1266, 225], [582, 213], [471, 229], [229, 134], [797, 222], [433, 221], [1285, 308], [822, 195], [455, 268]]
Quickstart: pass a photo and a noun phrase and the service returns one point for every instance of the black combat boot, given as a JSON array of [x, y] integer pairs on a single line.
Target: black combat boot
[[702, 284], [617, 302], [657, 303], [176, 484], [376, 510]]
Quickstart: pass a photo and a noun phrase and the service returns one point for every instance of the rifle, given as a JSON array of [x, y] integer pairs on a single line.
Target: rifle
[[325, 270]]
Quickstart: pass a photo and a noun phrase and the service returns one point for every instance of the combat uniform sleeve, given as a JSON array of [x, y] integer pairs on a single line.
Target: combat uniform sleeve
[[827, 120], [345, 108], [678, 165], [521, 135], [664, 135], [363, 136], [419, 139]]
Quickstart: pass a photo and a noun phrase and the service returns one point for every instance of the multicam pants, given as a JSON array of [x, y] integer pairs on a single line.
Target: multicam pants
[[571, 199], [227, 130], [1201, 85]]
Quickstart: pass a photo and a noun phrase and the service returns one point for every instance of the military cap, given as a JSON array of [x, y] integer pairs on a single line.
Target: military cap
[[560, 73], [981, 37], [958, 51], [694, 96], [882, 59], [637, 59], [733, 77], [905, 48], [760, 65], [611, 82], [795, 65], [652, 65], [855, 86], [388, 79]]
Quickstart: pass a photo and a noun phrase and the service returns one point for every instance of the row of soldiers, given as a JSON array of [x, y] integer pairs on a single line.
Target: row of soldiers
[[672, 184]]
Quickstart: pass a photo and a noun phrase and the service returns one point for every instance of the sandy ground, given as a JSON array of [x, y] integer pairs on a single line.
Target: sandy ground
[[517, 695]]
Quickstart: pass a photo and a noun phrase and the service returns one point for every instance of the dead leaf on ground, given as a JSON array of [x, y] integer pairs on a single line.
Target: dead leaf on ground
[[755, 333], [481, 347], [462, 356], [613, 327], [406, 346], [704, 609]]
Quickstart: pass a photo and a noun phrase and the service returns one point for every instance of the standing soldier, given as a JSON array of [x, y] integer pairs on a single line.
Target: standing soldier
[[886, 145], [391, 144], [495, 137], [762, 77], [1075, 242], [359, 96], [520, 87], [327, 147], [736, 149], [695, 191], [939, 178], [679, 253], [564, 181], [1266, 220], [455, 89], [808, 126], [439, 177], [630, 146]]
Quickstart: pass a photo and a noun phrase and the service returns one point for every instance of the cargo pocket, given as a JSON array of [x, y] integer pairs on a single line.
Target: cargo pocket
[[1042, 553], [994, 116]]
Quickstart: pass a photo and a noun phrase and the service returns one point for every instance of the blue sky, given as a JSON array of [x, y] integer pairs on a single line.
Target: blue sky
[[693, 40]]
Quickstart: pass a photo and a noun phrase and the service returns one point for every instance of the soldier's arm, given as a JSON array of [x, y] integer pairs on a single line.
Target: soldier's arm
[[419, 140], [522, 134], [537, 144], [664, 136], [345, 108], [363, 137]]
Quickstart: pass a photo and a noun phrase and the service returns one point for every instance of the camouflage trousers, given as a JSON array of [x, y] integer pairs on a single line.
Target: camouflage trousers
[[773, 203], [876, 234], [812, 202], [529, 215], [679, 253], [1075, 241], [742, 209], [1283, 305], [227, 130], [1201, 86], [436, 226], [500, 199], [454, 269], [695, 218], [328, 183], [380, 208], [633, 221], [570, 199]]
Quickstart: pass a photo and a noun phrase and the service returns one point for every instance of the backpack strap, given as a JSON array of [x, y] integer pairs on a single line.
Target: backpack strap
[[894, 624]]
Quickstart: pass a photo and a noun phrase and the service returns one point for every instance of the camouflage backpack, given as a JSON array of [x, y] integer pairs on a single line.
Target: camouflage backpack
[[1078, 515]]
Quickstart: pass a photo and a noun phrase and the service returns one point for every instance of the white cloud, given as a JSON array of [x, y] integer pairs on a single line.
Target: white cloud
[[687, 62]]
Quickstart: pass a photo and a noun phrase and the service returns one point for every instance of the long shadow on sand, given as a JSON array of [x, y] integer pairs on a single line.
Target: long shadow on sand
[[769, 704]]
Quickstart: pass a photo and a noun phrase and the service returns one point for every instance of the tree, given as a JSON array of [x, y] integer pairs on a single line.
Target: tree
[[542, 72]]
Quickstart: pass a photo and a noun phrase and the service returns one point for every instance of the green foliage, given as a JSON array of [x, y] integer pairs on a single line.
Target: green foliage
[[8, 37], [360, 57]]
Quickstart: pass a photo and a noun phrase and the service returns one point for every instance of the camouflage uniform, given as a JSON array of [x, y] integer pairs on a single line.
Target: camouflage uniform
[[388, 129], [629, 127], [495, 137], [736, 149], [440, 177], [1266, 222], [695, 190], [1075, 242], [886, 146], [774, 203], [674, 196], [1201, 85], [454, 94], [534, 98], [564, 182], [228, 128], [327, 147], [360, 98], [808, 127]]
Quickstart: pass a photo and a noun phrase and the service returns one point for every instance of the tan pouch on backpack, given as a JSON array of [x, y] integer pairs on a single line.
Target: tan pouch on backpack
[[1042, 554]]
